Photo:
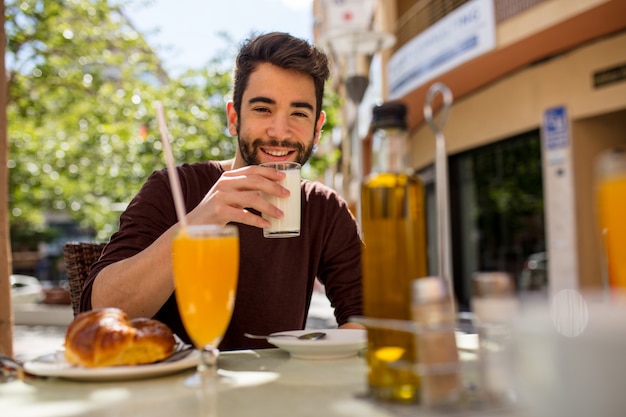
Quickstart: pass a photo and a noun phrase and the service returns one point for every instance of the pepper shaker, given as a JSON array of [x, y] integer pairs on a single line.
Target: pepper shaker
[[494, 305], [434, 313]]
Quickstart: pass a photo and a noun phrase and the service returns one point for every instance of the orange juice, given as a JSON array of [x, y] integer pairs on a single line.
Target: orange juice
[[612, 208], [206, 269]]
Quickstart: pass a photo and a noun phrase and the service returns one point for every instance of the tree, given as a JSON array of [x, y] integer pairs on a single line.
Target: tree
[[82, 127], [82, 130]]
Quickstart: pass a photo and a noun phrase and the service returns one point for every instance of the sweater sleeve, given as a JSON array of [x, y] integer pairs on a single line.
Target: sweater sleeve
[[340, 266], [149, 214]]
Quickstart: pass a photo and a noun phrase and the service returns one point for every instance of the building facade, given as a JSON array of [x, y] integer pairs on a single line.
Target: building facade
[[539, 91]]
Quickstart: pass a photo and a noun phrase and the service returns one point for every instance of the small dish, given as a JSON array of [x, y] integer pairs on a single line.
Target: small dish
[[55, 365], [338, 343]]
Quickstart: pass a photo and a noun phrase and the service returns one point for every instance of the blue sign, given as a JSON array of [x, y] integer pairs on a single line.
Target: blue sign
[[555, 128]]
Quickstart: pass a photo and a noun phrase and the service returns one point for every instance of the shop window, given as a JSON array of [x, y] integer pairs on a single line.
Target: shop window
[[497, 217]]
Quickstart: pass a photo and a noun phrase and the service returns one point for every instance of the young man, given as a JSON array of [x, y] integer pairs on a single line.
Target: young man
[[276, 114]]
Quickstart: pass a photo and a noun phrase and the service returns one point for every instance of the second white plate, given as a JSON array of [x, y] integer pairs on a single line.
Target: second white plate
[[338, 343]]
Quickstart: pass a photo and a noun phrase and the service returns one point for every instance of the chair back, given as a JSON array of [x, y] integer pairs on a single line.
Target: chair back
[[79, 256]]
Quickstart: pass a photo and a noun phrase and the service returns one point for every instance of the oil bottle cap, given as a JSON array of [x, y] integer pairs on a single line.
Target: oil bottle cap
[[391, 114]]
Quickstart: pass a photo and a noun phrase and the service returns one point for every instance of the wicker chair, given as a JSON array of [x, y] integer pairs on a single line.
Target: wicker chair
[[79, 256]]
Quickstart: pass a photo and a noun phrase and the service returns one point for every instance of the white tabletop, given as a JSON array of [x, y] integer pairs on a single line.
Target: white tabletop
[[261, 383]]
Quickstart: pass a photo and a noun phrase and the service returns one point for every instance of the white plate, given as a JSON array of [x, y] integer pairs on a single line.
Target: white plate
[[338, 343], [54, 365]]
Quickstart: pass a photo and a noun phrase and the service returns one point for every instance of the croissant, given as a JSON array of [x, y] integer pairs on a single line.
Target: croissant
[[107, 337]]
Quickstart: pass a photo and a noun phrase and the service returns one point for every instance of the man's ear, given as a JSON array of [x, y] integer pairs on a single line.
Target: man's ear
[[231, 114], [318, 127]]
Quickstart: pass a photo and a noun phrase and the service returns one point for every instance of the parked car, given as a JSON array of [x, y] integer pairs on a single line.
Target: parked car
[[25, 289], [534, 276]]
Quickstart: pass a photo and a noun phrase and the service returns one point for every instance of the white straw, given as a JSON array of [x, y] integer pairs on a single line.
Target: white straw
[[171, 167]]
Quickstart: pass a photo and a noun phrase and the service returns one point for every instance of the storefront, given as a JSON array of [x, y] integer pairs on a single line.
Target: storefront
[[539, 91], [517, 198]]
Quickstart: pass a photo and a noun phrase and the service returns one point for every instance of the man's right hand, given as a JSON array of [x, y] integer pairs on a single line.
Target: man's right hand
[[237, 191]]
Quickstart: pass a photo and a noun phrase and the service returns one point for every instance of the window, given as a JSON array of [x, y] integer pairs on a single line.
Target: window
[[496, 210]]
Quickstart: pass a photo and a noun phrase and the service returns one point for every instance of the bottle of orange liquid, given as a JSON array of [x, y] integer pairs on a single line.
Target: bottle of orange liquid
[[392, 216]]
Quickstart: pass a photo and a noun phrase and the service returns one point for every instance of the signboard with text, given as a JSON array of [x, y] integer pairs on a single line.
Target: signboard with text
[[342, 16], [465, 33]]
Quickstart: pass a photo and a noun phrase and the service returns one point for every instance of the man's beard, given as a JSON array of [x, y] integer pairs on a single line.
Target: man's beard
[[250, 150]]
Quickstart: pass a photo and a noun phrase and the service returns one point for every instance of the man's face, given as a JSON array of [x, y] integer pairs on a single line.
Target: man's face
[[277, 120]]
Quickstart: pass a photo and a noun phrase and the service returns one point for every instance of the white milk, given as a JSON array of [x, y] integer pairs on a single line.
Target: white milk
[[289, 225]]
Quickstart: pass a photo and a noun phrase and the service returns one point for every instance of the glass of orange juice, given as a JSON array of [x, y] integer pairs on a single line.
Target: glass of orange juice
[[206, 270], [611, 168]]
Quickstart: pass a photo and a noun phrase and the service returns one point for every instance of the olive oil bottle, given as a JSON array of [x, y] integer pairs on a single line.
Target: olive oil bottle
[[393, 225]]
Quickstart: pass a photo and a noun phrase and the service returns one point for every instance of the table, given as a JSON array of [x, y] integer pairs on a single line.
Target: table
[[38, 314], [266, 382]]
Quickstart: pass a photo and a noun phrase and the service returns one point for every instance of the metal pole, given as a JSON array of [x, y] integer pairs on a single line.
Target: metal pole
[[441, 172]]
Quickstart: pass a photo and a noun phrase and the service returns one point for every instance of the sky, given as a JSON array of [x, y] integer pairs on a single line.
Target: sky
[[184, 33]]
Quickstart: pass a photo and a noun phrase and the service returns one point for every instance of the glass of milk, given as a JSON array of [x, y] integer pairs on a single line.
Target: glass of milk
[[289, 224]]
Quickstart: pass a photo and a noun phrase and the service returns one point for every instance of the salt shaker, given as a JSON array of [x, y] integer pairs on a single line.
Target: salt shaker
[[494, 305], [434, 313]]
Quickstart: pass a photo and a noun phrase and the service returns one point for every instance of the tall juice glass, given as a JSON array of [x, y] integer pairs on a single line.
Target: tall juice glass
[[206, 270], [611, 167]]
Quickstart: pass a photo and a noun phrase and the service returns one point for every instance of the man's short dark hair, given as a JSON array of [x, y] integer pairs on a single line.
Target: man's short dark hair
[[284, 51]]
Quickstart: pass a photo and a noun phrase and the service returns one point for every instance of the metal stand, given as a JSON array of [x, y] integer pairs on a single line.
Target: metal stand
[[441, 172]]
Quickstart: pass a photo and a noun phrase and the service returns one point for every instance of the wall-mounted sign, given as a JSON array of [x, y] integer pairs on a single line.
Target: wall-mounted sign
[[342, 16], [555, 128], [609, 76], [465, 33]]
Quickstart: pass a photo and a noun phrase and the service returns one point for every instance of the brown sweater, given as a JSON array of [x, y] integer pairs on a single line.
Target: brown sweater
[[276, 276]]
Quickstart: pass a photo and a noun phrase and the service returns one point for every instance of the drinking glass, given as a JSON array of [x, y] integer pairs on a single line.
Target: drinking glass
[[611, 197], [289, 224], [206, 269]]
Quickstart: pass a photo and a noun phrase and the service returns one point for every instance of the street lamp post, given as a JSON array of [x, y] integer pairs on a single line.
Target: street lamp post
[[356, 46]]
